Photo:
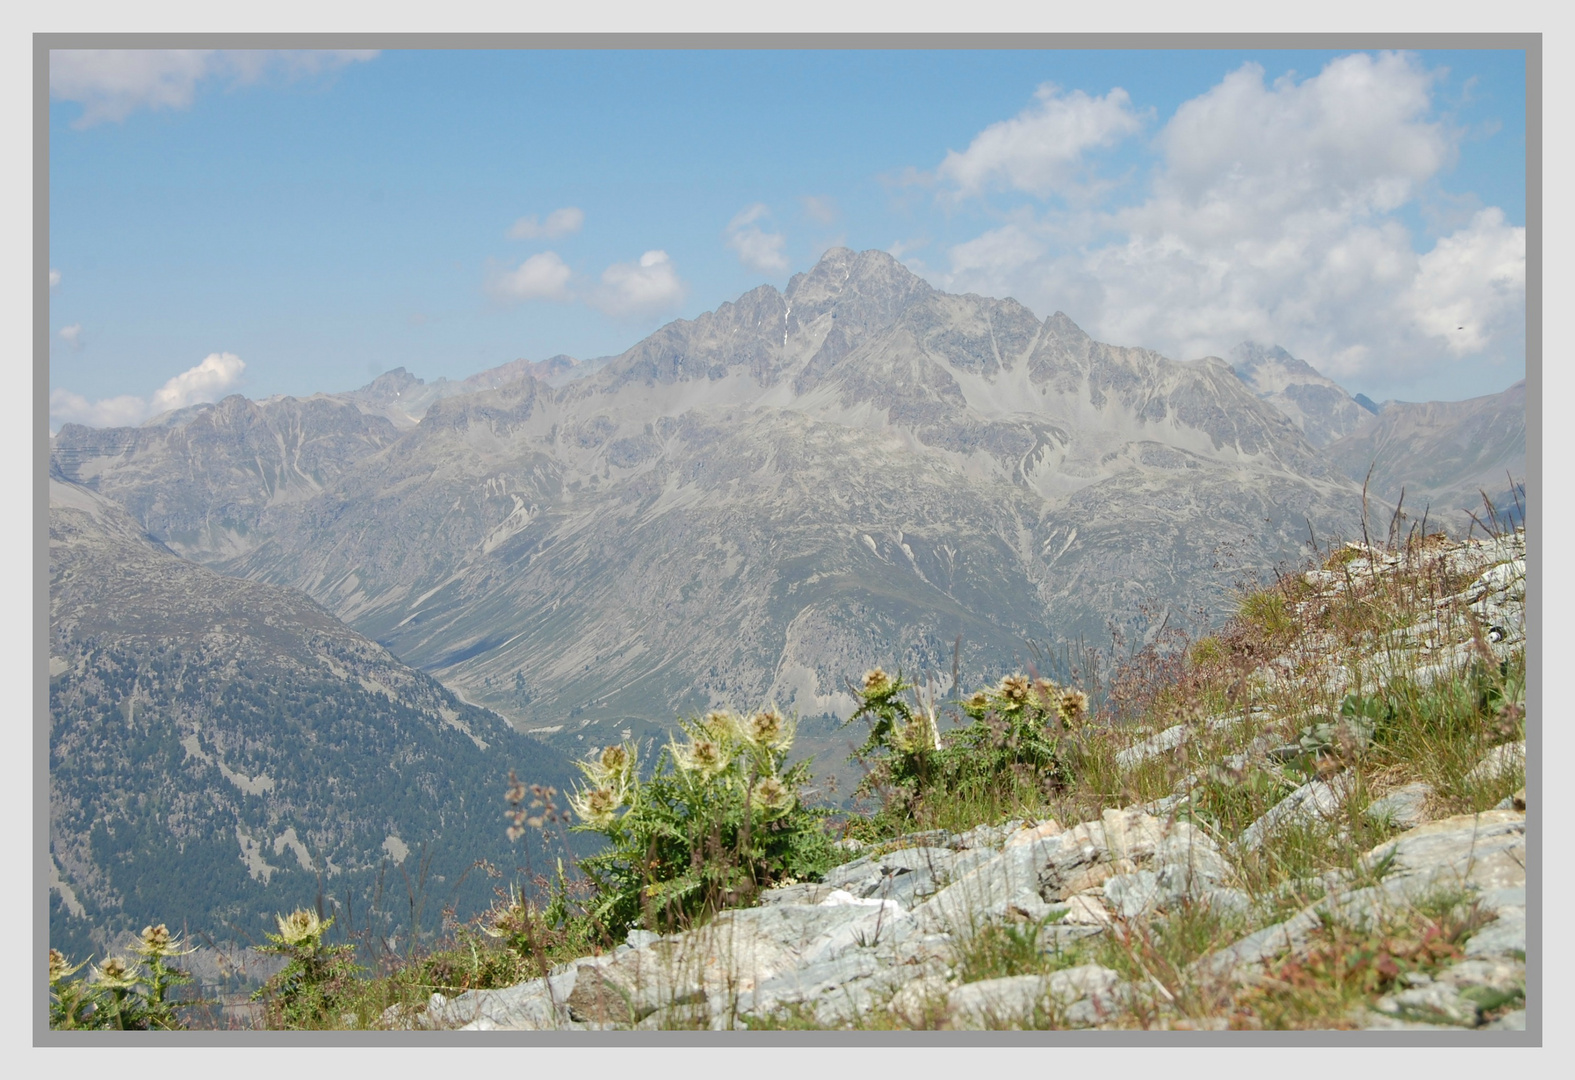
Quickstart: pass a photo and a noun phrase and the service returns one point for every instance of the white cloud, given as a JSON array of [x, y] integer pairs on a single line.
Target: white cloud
[[1272, 215], [124, 411], [1040, 150], [72, 335], [560, 222], [540, 277], [757, 249], [54, 277], [648, 287], [207, 381], [111, 84], [1471, 287], [821, 209]]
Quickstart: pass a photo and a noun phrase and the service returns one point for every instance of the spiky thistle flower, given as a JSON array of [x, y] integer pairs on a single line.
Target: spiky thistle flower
[[722, 725], [1072, 706], [1045, 694], [615, 768], [920, 732], [157, 941], [301, 927], [877, 683], [773, 796], [116, 974], [597, 806], [60, 968], [1014, 691], [707, 757], [767, 730]]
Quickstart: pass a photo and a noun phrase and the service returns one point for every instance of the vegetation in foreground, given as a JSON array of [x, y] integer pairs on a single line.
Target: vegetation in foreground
[[721, 815]]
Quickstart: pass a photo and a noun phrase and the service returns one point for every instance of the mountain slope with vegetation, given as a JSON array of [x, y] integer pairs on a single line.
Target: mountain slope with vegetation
[[222, 749]]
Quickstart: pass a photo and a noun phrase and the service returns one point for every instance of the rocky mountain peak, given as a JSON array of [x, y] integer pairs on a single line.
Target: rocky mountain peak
[[867, 287], [1316, 404], [1251, 359], [390, 386]]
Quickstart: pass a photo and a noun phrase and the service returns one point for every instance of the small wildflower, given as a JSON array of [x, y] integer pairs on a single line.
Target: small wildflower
[[978, 701], [877, 683]]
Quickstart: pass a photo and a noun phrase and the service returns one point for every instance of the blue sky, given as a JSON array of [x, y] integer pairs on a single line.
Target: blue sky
[[290, 223]]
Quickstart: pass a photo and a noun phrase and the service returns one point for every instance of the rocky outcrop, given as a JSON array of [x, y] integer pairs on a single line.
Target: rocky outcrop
[[888, 934]]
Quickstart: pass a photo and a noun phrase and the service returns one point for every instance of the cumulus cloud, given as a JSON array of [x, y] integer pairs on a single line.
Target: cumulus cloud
[[72, 335], [54, 277], [540, 277], [756, 248], [648, 287], [1272, 215], [1471, 288], [207, 381], [560, 222], [1040, 150], [111, 84]]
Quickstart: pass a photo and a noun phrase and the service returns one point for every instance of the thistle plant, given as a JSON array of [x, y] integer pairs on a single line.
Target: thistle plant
[[72, 1002], [1009, 752], [155, 948], [316, 983], [720, 818], [122, 994]]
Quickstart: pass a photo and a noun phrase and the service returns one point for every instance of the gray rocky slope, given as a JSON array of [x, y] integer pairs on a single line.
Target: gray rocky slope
[[1442, 454], [221, 749], [752, 505]]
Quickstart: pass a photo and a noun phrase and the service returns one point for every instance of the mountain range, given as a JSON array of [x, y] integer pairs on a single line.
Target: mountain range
[[752, 506]]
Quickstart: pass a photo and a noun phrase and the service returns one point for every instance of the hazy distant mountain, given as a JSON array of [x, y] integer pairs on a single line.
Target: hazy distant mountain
[[754, 504], [220, 749], [404, 399], [1317, 405], [1444, 454]]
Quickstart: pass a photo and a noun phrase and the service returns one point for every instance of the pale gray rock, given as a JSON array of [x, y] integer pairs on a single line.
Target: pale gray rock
[[1500, 761], [1403, 808], [1435, 1002], [1510, 1021], [1080, 995], [537, 1005], [1319, 800]]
